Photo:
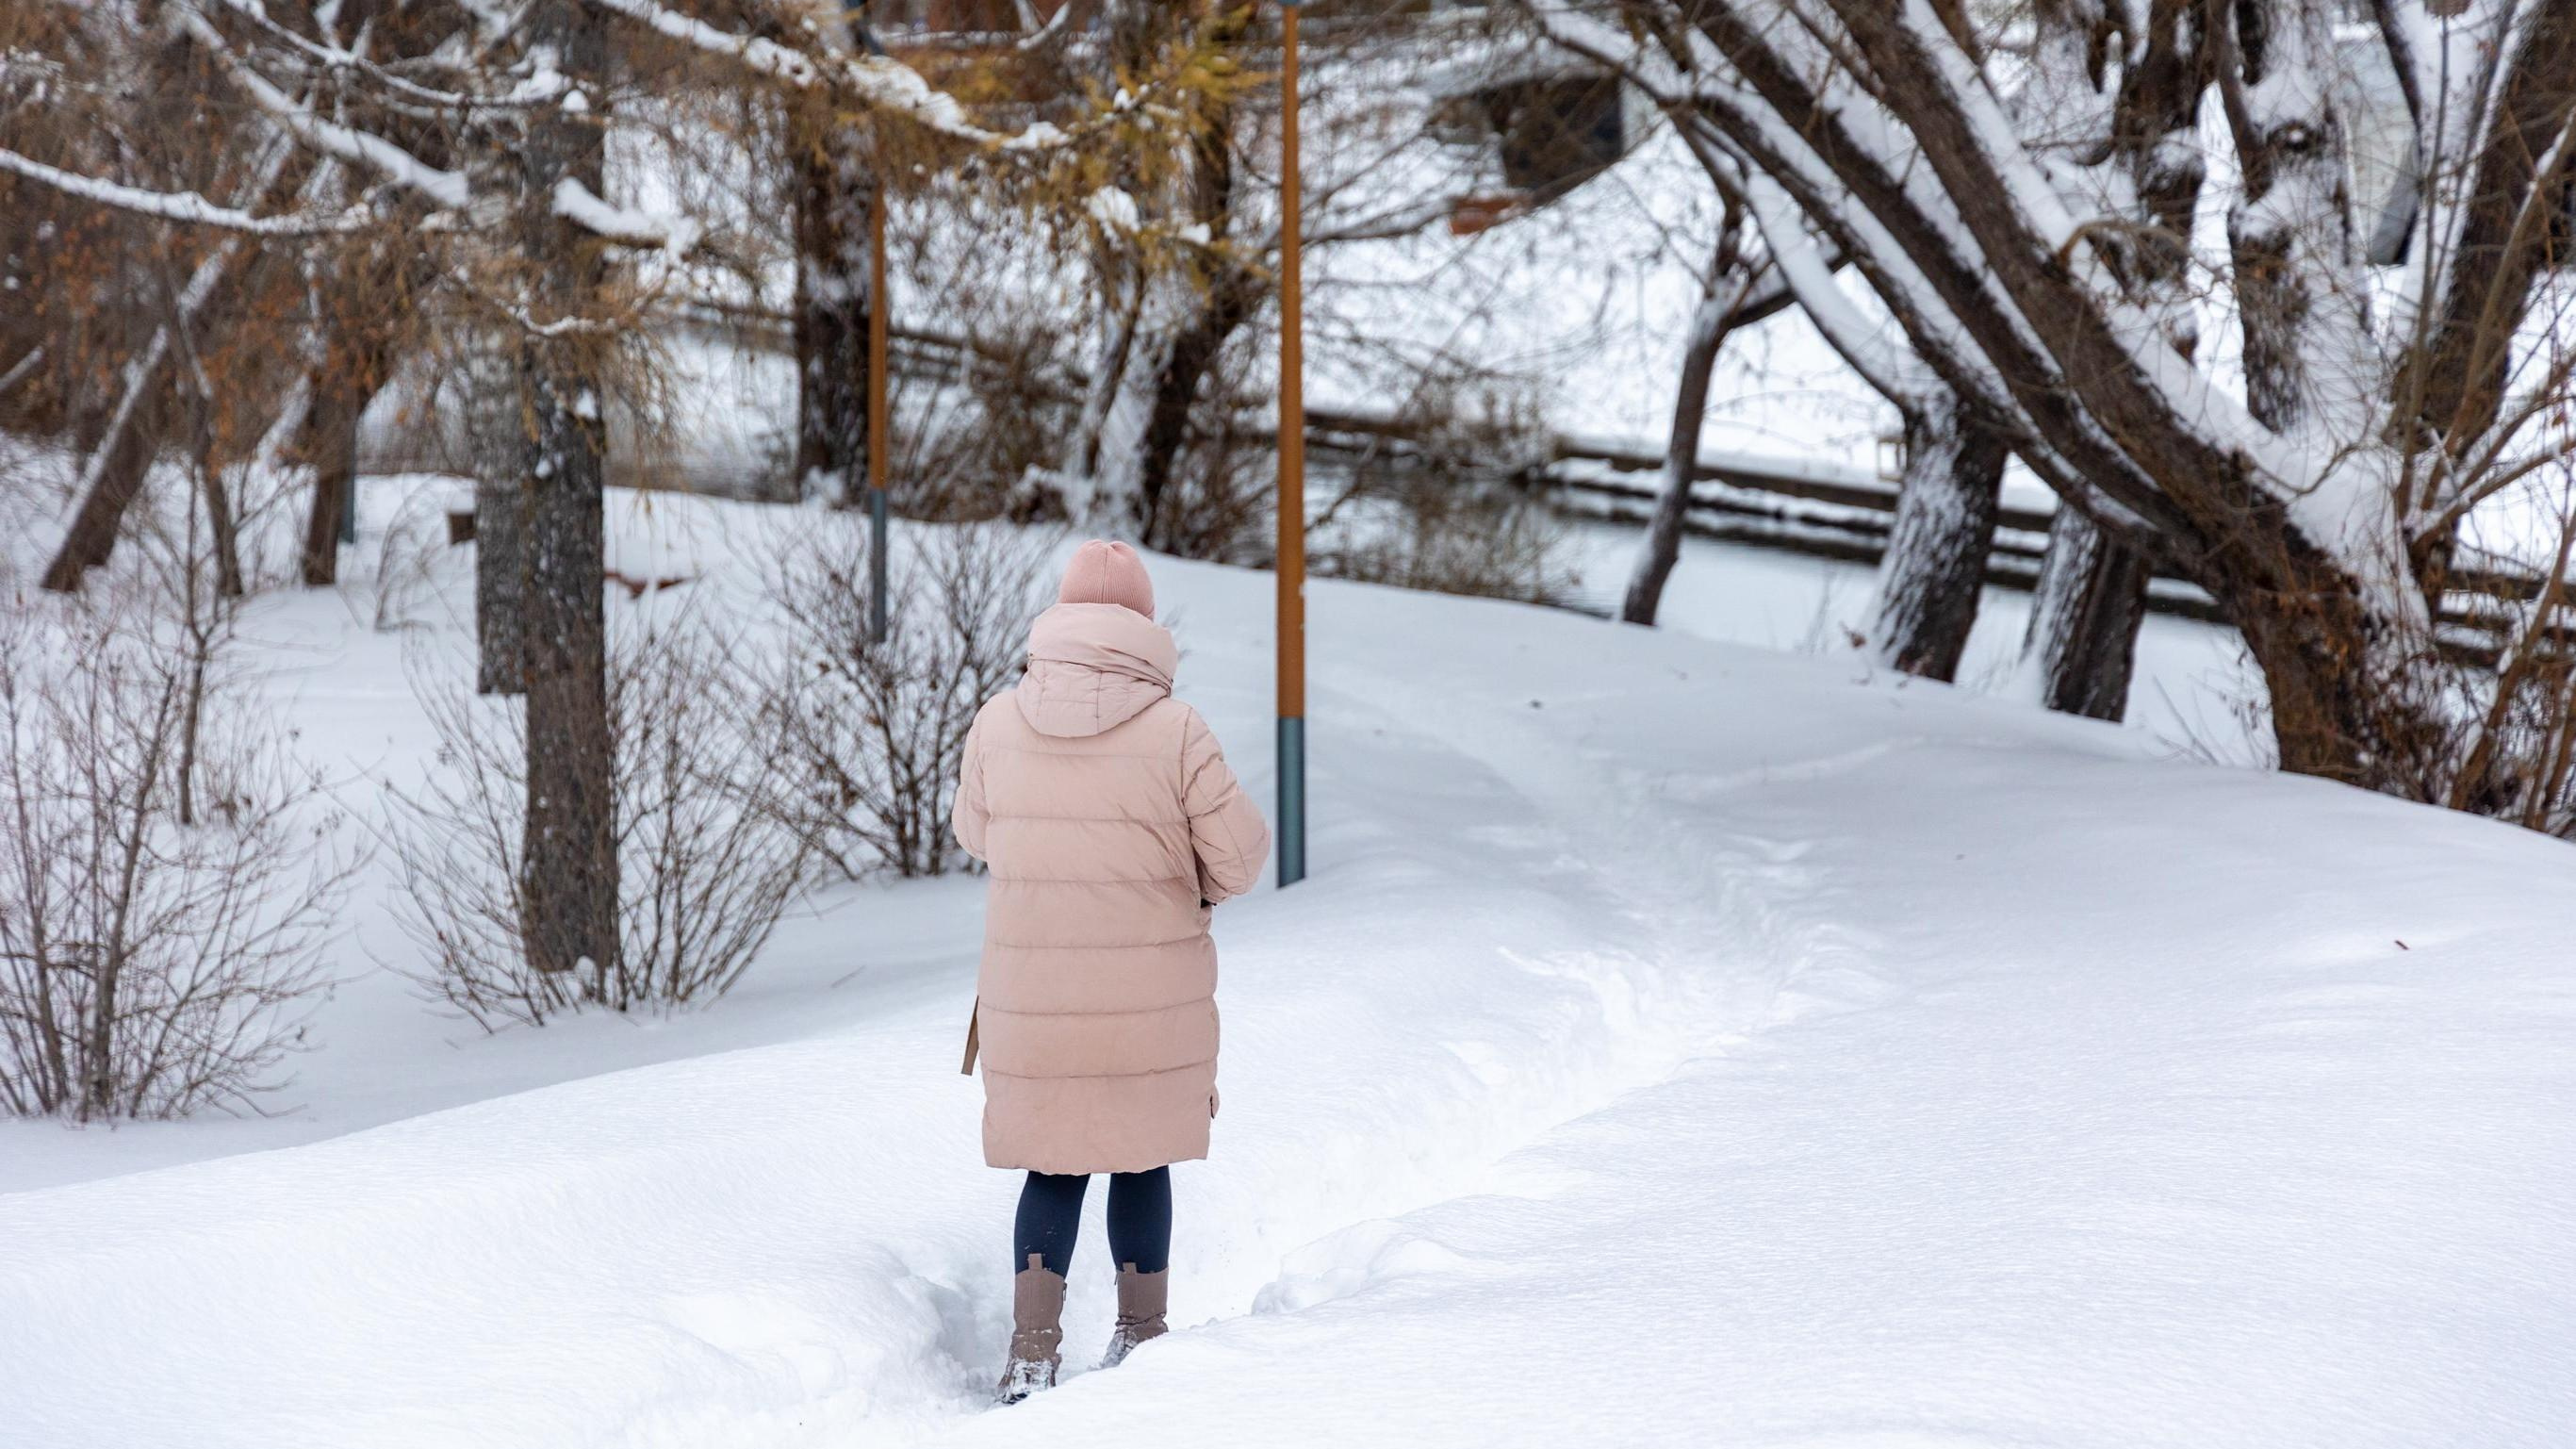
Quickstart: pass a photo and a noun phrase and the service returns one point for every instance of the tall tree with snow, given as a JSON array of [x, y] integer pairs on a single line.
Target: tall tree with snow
[[2028, 269]]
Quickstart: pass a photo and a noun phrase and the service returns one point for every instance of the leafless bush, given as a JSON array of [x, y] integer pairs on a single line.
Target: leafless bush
[[168, 876], [1443, 504], [704, 873], [873, 731]]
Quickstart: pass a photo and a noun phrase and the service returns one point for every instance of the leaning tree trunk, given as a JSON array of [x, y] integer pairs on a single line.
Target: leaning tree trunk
[[112, 475], [329, 444], [832, 302], [568, 856], [356, 362], [1663, 547], [1934, 570], [1108, 487], [2083, 636]]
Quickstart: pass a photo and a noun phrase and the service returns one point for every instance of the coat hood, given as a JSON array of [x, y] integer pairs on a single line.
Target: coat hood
[[1092, 668]]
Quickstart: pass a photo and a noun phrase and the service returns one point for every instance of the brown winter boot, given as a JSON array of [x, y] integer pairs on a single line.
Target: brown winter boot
[[1142, 1297], [1037, 1329]]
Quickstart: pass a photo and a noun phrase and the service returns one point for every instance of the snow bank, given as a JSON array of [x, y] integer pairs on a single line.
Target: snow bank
[[1675, 1044]]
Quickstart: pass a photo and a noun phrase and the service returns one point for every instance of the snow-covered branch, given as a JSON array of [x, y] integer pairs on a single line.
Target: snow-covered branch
[[446, 188], [626, 226], [341, 59], [451, 190], [184, 207], [875, 82]]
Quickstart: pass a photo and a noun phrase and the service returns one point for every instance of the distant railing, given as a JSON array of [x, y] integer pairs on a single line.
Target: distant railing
[[1821, 509]]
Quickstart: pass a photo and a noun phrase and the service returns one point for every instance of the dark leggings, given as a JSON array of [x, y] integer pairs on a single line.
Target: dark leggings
[[1140, 1220]]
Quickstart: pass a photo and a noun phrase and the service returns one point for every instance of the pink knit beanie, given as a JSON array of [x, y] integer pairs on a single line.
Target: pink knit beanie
[[1107, 573]]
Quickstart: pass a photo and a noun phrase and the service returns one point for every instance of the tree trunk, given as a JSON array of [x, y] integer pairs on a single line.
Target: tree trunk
[[1934, 569], [500, 585], [2083, 635], [330, 445], [223, 537], [354, 370], [112, 475], [1108, 492], [568, 856], [1663, 546], [832, 302], [1158, 357], [1229, 301]]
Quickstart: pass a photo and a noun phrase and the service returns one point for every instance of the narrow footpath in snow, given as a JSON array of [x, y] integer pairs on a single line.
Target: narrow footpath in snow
[[1675, 1044]]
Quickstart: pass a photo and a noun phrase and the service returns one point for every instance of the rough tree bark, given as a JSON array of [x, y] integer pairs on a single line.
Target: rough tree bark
[[1159, 340], [1934, 570], [328, 443], [568, 855], [2082, 639], [1955, 229], [1230, 298], [354, 362], [500, 583]]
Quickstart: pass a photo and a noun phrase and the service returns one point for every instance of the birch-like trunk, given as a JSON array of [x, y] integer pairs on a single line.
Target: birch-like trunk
[[1108, 484], [568, 855], [2083, 634], [500, 583], [1934, 570]]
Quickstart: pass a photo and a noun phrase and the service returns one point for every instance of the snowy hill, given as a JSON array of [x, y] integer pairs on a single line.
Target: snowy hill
[[1676, 1043]]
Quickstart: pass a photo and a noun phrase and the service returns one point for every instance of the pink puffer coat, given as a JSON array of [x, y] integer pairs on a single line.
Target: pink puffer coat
[[1112, 824]]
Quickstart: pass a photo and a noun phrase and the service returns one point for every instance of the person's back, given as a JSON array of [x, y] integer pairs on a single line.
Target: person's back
[[1112, 825]]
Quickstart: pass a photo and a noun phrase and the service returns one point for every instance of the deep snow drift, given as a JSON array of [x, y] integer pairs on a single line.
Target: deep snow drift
[[1676, 1043]]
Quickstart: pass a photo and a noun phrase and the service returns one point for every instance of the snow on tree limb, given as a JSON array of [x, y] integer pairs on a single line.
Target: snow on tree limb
[[184, 207], [626, 226], [1735, 128], [877, 82], [449, 189], [338, 58]]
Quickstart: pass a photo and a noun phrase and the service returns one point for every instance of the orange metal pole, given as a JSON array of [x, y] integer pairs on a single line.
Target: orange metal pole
[[1292, 480], [879, 442]]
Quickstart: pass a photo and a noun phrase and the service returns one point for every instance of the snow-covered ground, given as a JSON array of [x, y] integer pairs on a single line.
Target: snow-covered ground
[[2195, 693], [1677, 1042]]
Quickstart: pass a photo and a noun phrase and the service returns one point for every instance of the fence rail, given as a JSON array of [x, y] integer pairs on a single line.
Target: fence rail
[[1830, 511]]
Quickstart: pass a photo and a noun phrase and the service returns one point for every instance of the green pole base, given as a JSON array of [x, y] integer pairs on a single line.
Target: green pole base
[[1292, 800]]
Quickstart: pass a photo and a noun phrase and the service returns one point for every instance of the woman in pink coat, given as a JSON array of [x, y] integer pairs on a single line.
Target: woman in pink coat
[[1112, 825]]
